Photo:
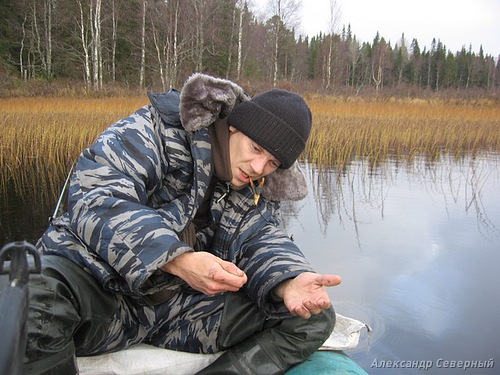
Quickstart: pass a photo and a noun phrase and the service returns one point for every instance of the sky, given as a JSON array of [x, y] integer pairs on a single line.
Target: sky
[[455, 23]]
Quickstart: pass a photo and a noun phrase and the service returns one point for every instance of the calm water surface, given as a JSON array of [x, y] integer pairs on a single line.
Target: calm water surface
[[418, 249], [417, 246]]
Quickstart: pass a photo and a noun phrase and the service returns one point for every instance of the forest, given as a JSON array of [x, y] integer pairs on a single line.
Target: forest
[[157, 44]]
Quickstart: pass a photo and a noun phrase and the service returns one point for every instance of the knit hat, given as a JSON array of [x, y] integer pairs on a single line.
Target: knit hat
[[278, 120]]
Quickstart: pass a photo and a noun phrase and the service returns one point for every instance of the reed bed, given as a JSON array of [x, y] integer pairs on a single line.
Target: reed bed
[[40, 137], [348, 129]]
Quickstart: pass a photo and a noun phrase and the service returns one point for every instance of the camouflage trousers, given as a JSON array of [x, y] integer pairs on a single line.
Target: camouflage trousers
[[71, 314]]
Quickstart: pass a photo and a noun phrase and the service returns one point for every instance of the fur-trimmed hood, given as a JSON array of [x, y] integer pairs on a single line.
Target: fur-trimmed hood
[[204, 99]]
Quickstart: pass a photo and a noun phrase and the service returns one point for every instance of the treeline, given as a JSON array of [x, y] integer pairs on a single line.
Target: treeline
[[158, 43]]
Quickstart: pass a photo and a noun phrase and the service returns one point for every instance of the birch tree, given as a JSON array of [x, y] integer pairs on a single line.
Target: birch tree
[[85, 43], [333, 25], [96, 45], [379, 53], [173, 64], [114, 33], [200, 10], [143, 46], [402, 56], [90, 24], [284, 14], [37, 36], [49, 7], [243, 5], [22, 68], [231, 37]]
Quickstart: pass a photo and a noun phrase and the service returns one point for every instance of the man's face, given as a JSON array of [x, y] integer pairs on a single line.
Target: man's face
[[249, 161]]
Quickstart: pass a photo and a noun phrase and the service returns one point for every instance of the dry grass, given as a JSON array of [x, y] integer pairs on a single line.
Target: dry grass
[[345, 129], [39, 137]]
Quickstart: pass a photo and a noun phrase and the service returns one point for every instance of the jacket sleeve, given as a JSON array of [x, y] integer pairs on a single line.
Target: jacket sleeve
[[270, 257], [109, 196]]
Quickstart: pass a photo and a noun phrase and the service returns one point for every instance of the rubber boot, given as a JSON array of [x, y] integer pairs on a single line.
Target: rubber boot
[[246, 358], [274, 350], [54, 365], [70, 314]]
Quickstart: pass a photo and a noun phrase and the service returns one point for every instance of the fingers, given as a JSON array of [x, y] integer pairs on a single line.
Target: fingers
[[309, 308], [232, 268], [316, 279], [330, 280], [316, 307], [228, 277]]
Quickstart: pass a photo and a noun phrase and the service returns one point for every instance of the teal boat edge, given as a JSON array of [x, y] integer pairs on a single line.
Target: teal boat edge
[[327, 363]]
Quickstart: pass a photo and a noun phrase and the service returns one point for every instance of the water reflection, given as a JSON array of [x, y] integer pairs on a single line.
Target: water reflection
[[417, 247], [27, 200], [449, 182]]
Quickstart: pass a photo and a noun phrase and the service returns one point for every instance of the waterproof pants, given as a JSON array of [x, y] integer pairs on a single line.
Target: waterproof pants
[[71, 315]]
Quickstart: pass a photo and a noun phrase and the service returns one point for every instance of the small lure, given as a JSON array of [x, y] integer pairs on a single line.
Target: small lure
[[257, 190]]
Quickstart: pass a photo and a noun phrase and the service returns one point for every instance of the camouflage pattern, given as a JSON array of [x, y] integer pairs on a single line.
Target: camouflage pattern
[[131, 196]]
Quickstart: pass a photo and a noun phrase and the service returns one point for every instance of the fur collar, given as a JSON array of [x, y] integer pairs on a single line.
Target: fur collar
[[204, 99]]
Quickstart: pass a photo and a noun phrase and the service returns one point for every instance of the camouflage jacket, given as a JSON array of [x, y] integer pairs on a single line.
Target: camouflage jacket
[[140, 184]]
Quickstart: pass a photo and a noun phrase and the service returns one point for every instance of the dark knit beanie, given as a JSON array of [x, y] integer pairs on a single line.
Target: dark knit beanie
[[278, 120]]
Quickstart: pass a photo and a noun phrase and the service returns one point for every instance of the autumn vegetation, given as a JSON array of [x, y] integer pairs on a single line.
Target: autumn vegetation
[[349, 129], [41, 137]]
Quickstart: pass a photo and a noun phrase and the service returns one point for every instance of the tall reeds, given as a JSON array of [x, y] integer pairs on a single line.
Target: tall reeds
[[40, 137], [347, 129]]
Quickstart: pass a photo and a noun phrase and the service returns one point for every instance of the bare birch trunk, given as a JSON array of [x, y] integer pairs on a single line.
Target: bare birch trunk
[[334, 21], [93, 44], [143, 46], [97, 46], [113, 43], [199, 35], [159, 57], [377, 79], [38, 38], [329, 64], [240, 41], [230, 52], [175, 57], [83, 37], [21, 50], [276, 43], [48, 38]]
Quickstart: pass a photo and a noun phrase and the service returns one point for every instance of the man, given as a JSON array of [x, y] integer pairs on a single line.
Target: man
[[172, 238]]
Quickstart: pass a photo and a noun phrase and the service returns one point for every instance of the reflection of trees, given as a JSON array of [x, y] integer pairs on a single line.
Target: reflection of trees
[[325, 189], [462, 179], [28, 195], [485, 226], [323, 186], [341, 194], [361, 183]]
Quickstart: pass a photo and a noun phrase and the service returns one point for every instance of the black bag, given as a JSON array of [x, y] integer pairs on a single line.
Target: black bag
[[14, 302]]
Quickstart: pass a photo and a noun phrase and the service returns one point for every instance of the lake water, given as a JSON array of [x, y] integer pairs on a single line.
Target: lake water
[[417, 246]]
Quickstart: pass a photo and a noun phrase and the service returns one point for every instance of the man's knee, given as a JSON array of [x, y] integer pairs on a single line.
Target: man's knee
[[324, 324], [308, 335]]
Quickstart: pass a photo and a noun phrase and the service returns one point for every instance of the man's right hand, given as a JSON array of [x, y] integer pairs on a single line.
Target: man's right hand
[[206, 273]]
